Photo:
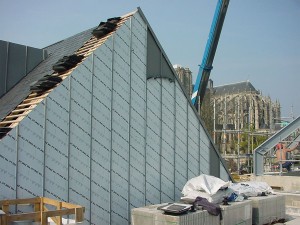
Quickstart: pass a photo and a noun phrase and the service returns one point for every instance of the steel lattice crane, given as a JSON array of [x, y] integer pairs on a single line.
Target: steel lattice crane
[[209, 53]]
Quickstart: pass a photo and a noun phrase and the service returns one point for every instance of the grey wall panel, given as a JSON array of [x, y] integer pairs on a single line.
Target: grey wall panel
[[101, 130], [34, 57], [153, 58], [80, 136], [3, 66], [204, 138], [168, 140], [193, 151], [31, 154], [16, 68], [138, 113], [214, 162], [15, 62], [120, 126], [153, 183], [57, 143], [8, 165], [204, 152], [181, 151], [223, 173]]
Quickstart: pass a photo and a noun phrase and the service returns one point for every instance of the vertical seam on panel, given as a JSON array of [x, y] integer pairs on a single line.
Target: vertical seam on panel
[[199, 144], [6, 69], [160, 140], [187, 138], [146, 119], [91, 132], [17, 163], [26, 58], [174, 159], [44, 135], [111, 127], [129, 126], [69, 136]]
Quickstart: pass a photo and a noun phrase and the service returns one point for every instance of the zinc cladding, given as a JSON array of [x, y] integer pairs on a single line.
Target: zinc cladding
[[108, 138]]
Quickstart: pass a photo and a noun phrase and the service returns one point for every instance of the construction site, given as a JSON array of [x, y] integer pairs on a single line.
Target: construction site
[[100, 128]]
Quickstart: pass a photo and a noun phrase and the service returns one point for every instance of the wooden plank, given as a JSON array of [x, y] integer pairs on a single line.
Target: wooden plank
[[28, 99], [86, 47], [3, 220], [50, 201], [22, 110], [60, 212], [44, 218], [11, 116], [34, 102], [10, 121], [79, 214], [8, 126], [69, 205], [20, 201]]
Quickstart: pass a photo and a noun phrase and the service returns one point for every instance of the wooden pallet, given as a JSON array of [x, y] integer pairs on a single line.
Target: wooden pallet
[[40, 211]]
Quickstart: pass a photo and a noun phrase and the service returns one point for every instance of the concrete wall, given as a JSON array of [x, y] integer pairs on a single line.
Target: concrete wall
[[107, 138], [287, 183]]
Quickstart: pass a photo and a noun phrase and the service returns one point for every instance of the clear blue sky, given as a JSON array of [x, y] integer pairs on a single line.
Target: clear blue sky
[[260, 40]]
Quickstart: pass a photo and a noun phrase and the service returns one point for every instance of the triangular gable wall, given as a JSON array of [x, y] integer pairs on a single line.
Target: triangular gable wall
[[108, 138]]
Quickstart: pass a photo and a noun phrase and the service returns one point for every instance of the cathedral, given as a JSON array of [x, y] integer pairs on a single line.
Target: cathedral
[[232, 110]]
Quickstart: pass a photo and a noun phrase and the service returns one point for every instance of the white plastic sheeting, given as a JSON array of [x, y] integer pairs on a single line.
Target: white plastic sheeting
[[207, 183], [251, 188], [214, 189]]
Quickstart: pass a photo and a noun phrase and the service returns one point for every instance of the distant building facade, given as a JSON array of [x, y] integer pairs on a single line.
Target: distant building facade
[[240, 108], [233, 108], [242, 104], [185, 76]]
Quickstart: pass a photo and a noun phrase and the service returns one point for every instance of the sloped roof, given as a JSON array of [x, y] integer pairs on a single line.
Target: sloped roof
[[56, 51], [19, 101], [235, 88]]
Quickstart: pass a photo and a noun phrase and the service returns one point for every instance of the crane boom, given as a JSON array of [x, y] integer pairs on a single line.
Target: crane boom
[[209, 53]]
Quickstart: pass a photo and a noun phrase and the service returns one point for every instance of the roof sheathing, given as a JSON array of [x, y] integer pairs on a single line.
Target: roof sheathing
[[83, 44]]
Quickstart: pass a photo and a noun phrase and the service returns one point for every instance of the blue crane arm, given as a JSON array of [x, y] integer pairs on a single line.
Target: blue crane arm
[[210, 50]]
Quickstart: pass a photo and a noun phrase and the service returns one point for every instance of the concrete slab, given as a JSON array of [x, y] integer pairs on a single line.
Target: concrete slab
[[294, 221], [284, 183]]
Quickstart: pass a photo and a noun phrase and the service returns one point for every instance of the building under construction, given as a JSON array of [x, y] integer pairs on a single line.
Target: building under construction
[[101, 120]]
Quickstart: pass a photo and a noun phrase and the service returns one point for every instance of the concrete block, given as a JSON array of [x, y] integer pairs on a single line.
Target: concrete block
[[267, 209], [237, 213], [150, 215]]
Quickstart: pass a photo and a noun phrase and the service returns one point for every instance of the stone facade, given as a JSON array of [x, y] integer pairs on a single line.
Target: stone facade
[[232, 109], [185, 76]]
